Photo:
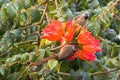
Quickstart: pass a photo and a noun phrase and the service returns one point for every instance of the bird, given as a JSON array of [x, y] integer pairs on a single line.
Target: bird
[[65, 52], [68, 49], [81, 19]]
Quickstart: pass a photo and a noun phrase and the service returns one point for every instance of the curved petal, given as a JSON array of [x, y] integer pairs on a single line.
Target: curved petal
[[84, 37], [90, 48], [70, 33], [75, 55], [86, 55], [53, 31]]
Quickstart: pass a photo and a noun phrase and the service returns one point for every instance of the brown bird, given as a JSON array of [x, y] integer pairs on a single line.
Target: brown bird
[[65, 52], [69, 49], [81, 19]]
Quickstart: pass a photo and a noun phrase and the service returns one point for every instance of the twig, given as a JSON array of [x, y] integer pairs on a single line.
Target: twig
[[58, 47], [106, 10], [13, 49], [31, 8], [117, 76], [104, 72], [43, 13], [47, 17], [59, 11], [101, 39], [29, 25], [116, 3], [23, 71], [37, 23], [92, 74], [64, 74], [10, 64], [34, 33], [26, 41], [117, 17]]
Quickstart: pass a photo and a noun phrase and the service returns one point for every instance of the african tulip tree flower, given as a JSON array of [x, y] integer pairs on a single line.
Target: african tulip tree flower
[[88, 46], [69, 31], [59, 31], [64, 32], [88, 42], [53, 31]]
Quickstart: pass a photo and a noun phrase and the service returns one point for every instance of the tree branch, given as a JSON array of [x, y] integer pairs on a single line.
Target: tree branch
[[104, 72], [64, 74], [13, 49], [53, 49], [37, 23], [117, 17], [111, 7], [92, 74]]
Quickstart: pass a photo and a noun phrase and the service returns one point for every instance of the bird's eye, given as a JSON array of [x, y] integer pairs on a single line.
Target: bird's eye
[[86, 16]]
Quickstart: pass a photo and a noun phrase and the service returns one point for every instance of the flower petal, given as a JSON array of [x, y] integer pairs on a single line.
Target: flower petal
[[86, 55], [75, 55], [53, 31], [69, 33], [90, 48]]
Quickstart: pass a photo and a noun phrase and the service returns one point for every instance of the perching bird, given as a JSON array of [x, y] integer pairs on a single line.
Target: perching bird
[[65, 52], [81, 19], [69, 49]]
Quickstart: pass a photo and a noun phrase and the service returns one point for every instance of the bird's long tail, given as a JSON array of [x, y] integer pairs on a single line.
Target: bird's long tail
[[44, 60]]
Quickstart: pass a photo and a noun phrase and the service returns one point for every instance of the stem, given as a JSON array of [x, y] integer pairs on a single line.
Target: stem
[[64, 74], [92, 74], [14, 49], [64, 43], [110, 7], [10, 64], [37, 23], [23, 72], [31, 8], [117, 17], [34, 33], [102, 39], [104, 72]]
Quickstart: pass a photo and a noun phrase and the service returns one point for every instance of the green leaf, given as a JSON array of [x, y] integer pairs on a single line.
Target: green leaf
[[25, 57], [93, 4], [27, 3], [80, 75], [42, 53], [35, 15], [17, 34], [94, 28], [11, 11], [1, 3], [114, 61], [41, 1], [2, 70], [95, 78], [70, 2], [119, 56], [86, 66], [52, 63]]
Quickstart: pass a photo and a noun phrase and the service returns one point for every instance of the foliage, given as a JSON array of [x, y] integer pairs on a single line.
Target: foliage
[[21, 22]]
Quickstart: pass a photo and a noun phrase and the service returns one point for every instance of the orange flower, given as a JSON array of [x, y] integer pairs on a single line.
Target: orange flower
[[65, 33], [69, 31], [58, 31], [88, 45], [53, 31], [86, 55], [75, 55]]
